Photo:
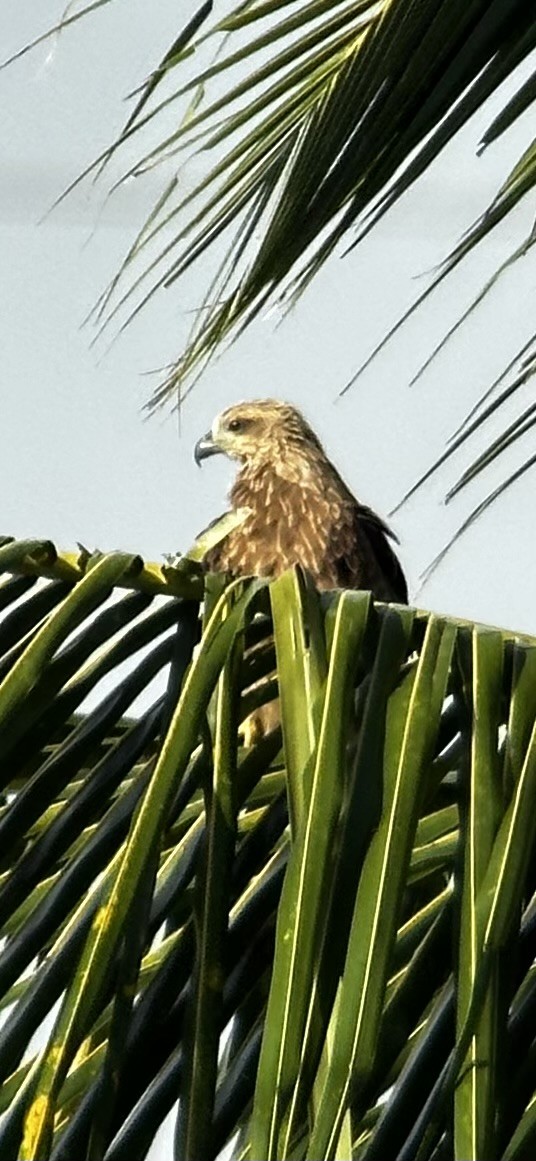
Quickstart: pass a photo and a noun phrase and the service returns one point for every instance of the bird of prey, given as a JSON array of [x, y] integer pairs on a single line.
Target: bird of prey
[[297, 509]]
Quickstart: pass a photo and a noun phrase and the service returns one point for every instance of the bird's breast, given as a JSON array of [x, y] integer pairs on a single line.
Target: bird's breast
[[287, 524]]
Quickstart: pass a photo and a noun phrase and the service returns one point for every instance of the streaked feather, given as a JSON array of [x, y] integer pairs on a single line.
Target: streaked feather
[[300, 510]]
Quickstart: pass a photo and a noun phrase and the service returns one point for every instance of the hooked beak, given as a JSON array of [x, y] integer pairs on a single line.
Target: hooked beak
[[204, 448]]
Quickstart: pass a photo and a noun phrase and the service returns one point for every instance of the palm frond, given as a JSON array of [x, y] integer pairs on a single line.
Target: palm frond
[[331, 110], [338, 124], [304, 989]]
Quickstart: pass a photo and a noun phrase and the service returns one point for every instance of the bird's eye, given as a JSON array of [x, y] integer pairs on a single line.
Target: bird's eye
[[235, 425]]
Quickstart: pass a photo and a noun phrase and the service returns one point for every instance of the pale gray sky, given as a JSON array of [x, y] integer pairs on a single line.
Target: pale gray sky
[[79, 463]]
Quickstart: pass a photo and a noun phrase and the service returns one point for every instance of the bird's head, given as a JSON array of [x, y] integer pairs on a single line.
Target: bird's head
[[253, 432]]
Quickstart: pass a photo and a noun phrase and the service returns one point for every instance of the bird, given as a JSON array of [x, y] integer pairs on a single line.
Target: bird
[[297, 509]]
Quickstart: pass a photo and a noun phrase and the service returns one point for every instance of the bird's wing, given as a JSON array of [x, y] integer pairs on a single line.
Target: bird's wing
[[378, 535]]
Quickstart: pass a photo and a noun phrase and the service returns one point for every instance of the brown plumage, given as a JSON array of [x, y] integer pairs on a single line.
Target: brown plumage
[[299, 510]]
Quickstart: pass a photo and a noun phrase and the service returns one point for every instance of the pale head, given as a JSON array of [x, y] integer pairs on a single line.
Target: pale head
[[255, 431]]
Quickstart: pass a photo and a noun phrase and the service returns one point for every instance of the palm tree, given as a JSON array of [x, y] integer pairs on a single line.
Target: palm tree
[[323, 944]]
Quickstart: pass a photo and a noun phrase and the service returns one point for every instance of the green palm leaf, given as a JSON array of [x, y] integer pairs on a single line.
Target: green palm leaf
[[331, 110], [371, 965]]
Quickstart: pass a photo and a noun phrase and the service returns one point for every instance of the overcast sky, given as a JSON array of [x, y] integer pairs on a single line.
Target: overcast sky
[[79, 461]]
